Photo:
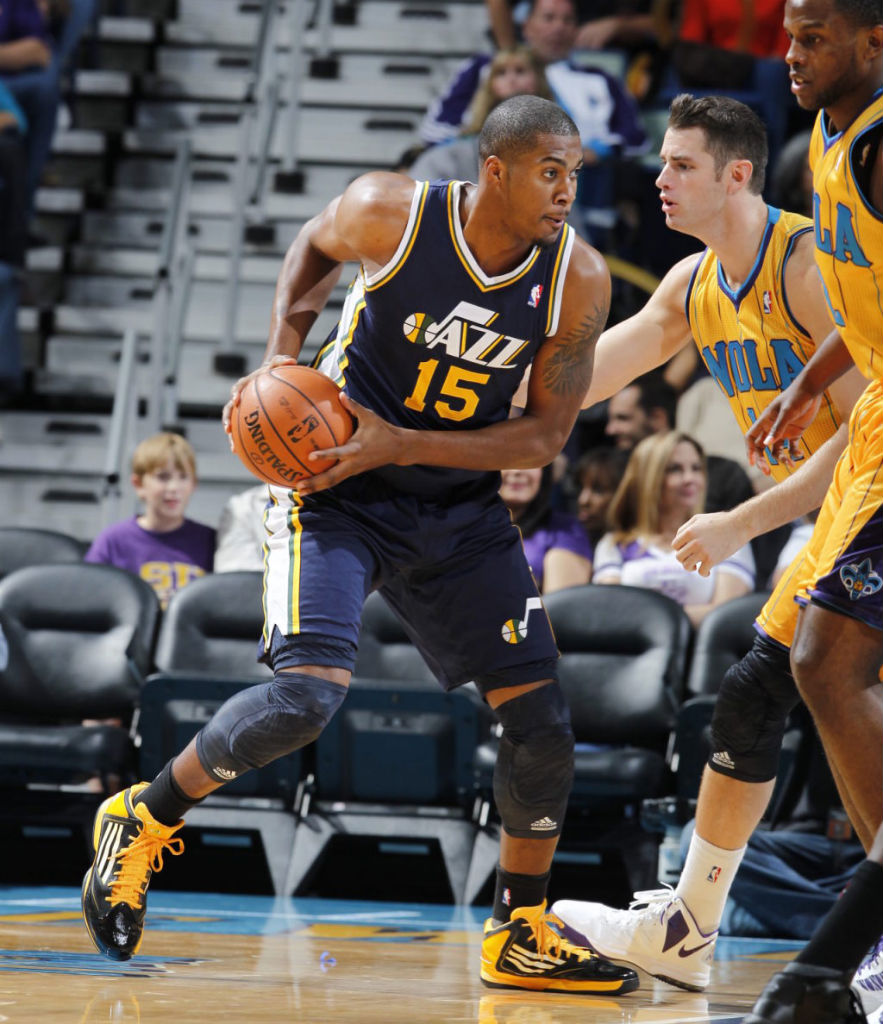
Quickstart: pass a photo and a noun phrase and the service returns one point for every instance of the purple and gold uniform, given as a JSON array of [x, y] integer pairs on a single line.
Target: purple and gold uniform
[[428, 342], [844, 571], [753, 347]]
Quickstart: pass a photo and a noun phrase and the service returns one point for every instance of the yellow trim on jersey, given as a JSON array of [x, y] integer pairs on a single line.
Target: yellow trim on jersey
[[295, 530], [407, 243], [331, 358], [563, 246], [470, 265]]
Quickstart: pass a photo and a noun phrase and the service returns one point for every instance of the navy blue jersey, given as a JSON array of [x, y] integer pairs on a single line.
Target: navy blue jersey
[[430, 342]]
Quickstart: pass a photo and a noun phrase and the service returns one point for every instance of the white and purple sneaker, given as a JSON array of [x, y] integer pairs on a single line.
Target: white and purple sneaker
[[867, 983], [657, 934]]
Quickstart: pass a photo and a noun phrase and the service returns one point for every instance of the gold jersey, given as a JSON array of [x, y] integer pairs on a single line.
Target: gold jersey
[[849, 232], [749, 339]]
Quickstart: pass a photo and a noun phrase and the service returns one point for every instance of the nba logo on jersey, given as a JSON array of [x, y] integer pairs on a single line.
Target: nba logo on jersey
[[767, 302], [536, 293]]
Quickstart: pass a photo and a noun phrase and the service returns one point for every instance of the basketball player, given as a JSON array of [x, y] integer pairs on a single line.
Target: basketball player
[[460, 287], [836, 66], [753, 304]]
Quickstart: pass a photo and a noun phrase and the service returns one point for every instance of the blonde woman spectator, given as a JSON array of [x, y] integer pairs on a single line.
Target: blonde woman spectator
[[663, 486]]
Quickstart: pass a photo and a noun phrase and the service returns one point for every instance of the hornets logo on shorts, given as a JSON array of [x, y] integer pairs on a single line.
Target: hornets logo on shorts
[[514, 631], [416, 327]]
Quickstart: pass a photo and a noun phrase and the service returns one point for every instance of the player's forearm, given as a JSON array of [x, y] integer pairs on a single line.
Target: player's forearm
[[828, 363], [522, 443], [303, 288], [619, 360], [801, 493]]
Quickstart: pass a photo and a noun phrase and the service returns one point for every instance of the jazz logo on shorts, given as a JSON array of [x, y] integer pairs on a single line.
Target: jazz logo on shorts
[[860, 580], [515, 630]]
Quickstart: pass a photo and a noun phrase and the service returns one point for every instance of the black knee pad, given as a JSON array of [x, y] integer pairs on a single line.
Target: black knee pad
[[534, 769], [752, 708], [265, 721]]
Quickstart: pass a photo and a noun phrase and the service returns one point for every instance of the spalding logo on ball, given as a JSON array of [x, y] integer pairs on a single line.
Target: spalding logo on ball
[[284, 413]]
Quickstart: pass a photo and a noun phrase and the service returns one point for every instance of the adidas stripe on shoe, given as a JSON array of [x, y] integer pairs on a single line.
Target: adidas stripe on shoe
[[526, 952], [129, 844]]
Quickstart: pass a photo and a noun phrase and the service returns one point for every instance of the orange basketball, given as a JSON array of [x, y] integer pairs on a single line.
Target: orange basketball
[[284, 413]]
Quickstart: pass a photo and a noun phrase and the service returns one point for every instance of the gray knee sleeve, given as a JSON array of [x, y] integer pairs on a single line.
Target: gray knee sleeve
[[265, 721], [534, 769], [756, 696]]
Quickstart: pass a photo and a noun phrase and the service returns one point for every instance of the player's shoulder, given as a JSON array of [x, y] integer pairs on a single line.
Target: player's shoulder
[[380, 193], [586, 263]]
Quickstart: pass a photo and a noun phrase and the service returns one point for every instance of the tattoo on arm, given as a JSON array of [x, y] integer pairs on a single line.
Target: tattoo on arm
[[568, 370]]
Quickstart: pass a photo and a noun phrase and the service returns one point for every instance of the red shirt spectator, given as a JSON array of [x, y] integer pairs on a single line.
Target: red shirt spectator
[[744, 26]]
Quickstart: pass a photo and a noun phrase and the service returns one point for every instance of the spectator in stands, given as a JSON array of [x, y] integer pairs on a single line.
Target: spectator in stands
[[557, 548], [606, 116], [12, 237], [598, 473], [663, 486], [28, 67], [160, 545], [637, 29], [649, 405], [510, 72], [241, 533]]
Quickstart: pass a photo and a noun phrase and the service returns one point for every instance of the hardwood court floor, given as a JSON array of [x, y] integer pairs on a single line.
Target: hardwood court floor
[[209, 958]]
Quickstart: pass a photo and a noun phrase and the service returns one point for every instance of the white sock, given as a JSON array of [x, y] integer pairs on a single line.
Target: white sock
[[706, 879]]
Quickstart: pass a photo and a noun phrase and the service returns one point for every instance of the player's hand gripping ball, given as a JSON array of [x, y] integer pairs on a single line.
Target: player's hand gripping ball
[[284, 413]]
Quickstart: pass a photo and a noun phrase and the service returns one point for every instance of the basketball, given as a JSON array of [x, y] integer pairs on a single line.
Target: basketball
[[284, 413]]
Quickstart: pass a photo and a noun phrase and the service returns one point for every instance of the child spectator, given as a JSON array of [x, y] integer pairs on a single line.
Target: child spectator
[[663, 486], [557, 548], [160, 545]]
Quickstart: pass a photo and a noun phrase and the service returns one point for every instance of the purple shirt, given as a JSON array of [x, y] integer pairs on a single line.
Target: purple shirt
[[560, 530], [21, 19], [167, 561]]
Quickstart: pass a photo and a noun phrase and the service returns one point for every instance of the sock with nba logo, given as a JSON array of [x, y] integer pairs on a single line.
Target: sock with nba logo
[[513, 891], [706, 879]]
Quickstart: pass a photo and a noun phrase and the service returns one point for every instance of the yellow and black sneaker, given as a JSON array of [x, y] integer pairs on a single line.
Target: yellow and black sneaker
[[129, 845], [526, 952]]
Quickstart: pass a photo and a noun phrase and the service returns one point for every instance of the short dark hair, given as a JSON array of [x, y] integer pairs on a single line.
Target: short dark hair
[[732, 131], [514, 125], [655, 392], [862, 13]]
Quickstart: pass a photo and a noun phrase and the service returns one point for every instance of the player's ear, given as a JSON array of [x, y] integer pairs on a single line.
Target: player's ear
[[740, 172], [874, 44], [494, 169]]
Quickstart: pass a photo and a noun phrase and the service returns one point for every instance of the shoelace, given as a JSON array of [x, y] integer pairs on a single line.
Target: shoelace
[[652, 899], [549, 941], [143, 854]]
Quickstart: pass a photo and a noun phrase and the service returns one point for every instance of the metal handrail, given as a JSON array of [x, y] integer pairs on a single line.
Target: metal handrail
[[174, 230], [120, 430], [296, 28], [241, 184]]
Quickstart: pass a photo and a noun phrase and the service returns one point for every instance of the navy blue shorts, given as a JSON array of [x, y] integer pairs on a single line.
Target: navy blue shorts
[[455, 573]]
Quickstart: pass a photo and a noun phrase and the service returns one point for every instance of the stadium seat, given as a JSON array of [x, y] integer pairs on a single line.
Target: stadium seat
[[21, 546], [212, 627], [80, 643]]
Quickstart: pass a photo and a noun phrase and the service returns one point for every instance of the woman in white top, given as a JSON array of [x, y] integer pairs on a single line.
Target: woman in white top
[[663, 486]]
